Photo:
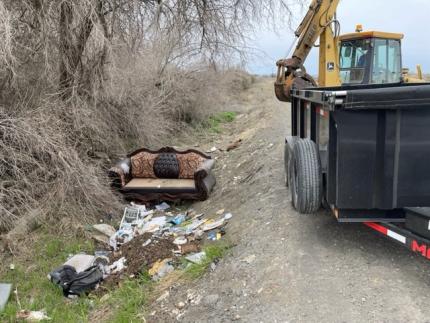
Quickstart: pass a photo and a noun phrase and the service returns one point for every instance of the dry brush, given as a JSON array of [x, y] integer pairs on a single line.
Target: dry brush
[[80, 79]]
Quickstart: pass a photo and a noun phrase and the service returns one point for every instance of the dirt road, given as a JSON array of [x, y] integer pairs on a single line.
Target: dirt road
[[288, 267]]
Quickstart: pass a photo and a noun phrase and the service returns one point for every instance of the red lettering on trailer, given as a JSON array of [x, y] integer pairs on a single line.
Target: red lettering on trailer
[[425, 252]]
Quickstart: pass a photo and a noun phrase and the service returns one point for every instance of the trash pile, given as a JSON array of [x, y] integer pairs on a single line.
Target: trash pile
[[148, 240]]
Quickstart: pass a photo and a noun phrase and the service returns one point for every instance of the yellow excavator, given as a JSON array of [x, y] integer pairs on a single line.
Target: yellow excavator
[[362, 57]]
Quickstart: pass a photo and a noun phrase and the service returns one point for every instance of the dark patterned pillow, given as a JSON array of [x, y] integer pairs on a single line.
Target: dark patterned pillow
[[166, 166]]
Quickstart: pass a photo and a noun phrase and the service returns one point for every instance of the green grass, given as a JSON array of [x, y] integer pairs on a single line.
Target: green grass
[[214, 122], [36, 292], [128, 301], [213, 251], [124, 304]]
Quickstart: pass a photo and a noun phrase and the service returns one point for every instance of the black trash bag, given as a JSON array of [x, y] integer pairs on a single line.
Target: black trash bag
[[73, 283]]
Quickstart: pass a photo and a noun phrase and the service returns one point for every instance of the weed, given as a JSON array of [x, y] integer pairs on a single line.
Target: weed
[[129, 300], [214, 122], [213, 252]]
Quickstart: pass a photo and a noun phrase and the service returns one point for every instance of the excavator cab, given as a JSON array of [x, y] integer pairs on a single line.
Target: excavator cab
[[359, 58], [370, 58]]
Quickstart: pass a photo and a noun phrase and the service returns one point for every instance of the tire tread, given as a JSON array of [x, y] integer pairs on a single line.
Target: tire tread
[[309, 178]]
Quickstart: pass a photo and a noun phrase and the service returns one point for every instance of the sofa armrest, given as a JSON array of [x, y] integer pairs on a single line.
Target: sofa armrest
[[204, 179], [120, 173], [204, 169]]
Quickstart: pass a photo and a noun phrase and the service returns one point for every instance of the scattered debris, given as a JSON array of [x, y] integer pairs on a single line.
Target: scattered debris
[[196, 258], [180, 305], [102, 258], [193, 298], [161, 269], [146, 243], [80, 262], [140, 258], [220, 212], [12, 266], [212, 150], [133, 216], [117, 266], [180, 240], [105, 229], [120, 237], [234, 145], [213, 266], [228, 216], [250, 259], [100, 238], [75, 284], [162, 207], [189, 248], [163, 296], [210, 225], [214, 235], [178, 219], [32, 316], [5, 290], [153, 225]]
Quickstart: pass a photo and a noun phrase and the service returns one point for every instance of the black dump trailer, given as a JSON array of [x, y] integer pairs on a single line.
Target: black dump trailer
[[364, 152]]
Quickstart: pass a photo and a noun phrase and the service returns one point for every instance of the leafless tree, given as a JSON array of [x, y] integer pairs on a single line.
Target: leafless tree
[[73, 37]]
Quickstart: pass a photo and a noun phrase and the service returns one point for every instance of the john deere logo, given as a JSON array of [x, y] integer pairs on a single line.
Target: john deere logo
[[330, 66]]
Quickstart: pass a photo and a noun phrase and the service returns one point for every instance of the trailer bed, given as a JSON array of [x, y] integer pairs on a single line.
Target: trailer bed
[[373, 145]]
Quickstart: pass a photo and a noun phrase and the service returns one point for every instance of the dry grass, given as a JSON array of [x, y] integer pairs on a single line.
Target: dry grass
[[43, 169]]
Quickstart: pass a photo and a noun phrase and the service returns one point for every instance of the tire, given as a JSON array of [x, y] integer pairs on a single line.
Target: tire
[[305, 177]]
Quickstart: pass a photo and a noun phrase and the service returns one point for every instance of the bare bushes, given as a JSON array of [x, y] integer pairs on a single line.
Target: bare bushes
[[42, 170], [48, 145], [91, 78], [153, 101]]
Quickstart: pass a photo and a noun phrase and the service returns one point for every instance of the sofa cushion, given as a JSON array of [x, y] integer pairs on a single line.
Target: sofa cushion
[[189, 163], [161, 185], [142, 165], [166, 166]]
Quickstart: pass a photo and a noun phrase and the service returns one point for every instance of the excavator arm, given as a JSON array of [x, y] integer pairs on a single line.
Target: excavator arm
[[316, 24]]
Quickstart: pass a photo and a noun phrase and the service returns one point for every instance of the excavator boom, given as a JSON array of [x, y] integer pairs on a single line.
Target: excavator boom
[[316, 24]]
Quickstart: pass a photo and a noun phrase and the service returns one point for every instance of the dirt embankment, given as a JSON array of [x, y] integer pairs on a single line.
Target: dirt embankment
[[286, 266]]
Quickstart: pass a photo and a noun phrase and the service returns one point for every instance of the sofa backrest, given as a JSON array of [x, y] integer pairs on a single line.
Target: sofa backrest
[[143, 162]]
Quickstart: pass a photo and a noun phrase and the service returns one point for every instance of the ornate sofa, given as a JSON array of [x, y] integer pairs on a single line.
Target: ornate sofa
[[165, 174]]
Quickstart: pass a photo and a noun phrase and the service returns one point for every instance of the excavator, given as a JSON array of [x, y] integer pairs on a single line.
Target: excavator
[[362, 57]]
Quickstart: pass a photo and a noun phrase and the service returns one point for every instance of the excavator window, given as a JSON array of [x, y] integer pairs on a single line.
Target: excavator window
[[386, 61], [370, 61], [354, 61]]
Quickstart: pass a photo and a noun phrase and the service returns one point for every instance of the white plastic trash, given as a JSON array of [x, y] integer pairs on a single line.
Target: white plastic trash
[[81, 262]]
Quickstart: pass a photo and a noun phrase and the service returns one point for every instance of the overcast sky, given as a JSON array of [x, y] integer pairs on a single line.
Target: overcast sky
[[409, 17]]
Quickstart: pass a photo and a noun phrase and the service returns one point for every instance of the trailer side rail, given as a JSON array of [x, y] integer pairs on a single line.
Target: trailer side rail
[[403, 237]]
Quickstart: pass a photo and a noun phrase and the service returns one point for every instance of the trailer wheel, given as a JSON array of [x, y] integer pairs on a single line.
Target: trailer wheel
[[305, 177]]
